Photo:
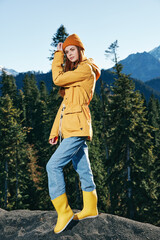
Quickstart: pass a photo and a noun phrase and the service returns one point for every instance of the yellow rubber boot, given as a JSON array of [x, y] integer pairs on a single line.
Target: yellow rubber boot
[[65, 213], [89, 206]]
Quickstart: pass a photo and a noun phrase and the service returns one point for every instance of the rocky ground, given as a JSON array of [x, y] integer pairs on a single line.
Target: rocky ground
[[38, 225]]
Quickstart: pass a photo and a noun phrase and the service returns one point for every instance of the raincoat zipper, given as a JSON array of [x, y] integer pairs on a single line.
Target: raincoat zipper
[[60, 123]]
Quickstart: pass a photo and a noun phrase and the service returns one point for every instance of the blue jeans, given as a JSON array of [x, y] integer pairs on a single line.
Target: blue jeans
[[75, 149]]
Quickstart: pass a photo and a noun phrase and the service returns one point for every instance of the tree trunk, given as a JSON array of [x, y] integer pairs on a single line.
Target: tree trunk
[[129, 190], [17, 183], [78, 199], [6, 185], [104, 124]]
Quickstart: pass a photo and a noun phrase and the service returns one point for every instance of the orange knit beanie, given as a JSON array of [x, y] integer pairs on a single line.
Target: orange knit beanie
[[73, 40]]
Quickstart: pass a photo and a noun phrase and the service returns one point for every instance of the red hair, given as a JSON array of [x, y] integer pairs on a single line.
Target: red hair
[[69, 66]]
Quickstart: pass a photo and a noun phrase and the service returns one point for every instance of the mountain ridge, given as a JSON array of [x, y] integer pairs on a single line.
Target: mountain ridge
[[108, 80], [154, 83], [141, 66], [8, 71]]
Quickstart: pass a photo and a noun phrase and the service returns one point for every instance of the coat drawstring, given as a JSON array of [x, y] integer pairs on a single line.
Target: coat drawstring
[[60, 123]]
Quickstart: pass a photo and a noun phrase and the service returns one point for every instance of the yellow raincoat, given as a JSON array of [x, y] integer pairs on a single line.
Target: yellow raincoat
[[79, 87]]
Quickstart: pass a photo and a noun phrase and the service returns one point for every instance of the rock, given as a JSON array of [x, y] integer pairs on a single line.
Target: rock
[[38, 225], [2, 210]]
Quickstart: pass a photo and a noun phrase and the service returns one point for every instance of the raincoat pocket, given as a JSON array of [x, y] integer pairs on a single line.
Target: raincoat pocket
[[72, 118]]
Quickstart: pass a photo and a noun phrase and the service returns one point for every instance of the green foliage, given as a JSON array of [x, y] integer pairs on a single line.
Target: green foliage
[[154, 120], [131, 157], [30, 105], [9, 87], [13, 158]]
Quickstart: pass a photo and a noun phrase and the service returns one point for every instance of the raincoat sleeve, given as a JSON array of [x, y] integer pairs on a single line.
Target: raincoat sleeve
[[70, 78], [55, 128]]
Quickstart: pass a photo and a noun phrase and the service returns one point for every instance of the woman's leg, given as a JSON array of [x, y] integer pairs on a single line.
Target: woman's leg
[[82, 166], [61, 157]]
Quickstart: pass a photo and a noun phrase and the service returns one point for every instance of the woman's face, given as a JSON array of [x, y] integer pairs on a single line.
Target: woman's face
[[71, 52]]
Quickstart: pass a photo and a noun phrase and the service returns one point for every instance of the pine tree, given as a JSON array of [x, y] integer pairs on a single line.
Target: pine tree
[[41, 135], [59, 36], [105, 92], [9, 87], [131, 157], [30, 105], [13, 156], [43, 92], [154, 120], [157, 171], [41, 130]]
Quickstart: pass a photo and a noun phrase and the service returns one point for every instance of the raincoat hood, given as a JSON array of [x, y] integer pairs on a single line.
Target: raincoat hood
[[96, 69]]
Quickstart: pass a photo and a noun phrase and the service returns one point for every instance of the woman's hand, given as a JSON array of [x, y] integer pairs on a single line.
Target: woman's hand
[[59, 46], [53, 141]]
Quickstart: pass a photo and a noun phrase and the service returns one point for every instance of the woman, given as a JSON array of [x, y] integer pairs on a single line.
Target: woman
[[73, 124]]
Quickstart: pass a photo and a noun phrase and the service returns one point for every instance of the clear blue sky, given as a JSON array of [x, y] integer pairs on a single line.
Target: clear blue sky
[[27, 27]]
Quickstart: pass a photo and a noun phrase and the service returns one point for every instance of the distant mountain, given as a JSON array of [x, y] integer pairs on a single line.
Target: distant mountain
[[142, 66], [156, 53], [15, 73], [45, 77], [8, 71], [108, 79]]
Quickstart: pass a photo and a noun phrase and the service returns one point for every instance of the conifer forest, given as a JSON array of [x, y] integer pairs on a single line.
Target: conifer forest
[[124, 152]]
